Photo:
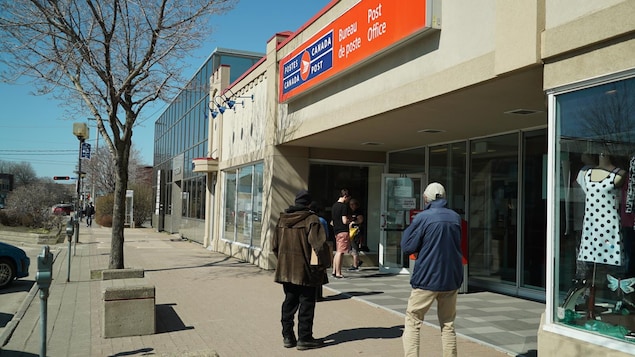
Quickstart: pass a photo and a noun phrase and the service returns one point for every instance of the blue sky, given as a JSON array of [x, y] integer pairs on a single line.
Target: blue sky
[[34, 128]]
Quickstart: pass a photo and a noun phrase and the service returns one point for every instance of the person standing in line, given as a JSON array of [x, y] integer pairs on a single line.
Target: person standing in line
[[341, 222], [90, 212], [435, 238], [357, 219], [299, 237]]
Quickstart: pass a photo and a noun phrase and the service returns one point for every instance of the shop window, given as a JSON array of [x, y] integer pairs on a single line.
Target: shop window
[[257, 210], [230, 205], [594, 270], [243, 205], [244, 217]]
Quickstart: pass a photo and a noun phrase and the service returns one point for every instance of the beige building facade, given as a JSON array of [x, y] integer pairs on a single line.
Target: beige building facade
[[384, 98]]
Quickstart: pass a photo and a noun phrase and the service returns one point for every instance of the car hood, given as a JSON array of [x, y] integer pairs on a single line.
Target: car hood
[[8, 249]]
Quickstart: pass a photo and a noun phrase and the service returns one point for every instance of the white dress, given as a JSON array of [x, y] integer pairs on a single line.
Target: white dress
[[601, 241]]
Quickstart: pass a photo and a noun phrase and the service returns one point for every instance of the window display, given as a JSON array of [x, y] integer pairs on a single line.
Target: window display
[[595, 258]]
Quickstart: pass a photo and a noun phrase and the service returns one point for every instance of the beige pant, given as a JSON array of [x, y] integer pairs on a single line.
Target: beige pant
[[419, 303]]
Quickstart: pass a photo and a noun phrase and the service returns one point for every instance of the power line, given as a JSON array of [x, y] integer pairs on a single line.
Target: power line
[[37, 154], [35, 151], [23, 153]]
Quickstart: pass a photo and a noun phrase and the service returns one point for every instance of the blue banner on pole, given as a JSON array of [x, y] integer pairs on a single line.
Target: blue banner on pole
[[86, 151]]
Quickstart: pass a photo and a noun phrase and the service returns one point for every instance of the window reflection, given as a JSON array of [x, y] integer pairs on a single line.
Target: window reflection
[[595, 261], [493, 207], [243, 205]]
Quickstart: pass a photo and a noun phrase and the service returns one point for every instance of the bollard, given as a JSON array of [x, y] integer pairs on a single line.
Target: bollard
[[70, 228], [43, 278]]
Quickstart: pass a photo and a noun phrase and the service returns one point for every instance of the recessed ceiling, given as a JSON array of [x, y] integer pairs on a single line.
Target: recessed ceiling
[[471, 112]]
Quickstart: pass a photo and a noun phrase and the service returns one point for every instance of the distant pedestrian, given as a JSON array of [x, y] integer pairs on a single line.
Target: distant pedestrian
[[90, 212], [435, 238], [341, 221], [356, 222], [299, 243]]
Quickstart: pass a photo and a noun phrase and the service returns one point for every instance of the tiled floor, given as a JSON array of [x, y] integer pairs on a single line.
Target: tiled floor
[[509, 323]]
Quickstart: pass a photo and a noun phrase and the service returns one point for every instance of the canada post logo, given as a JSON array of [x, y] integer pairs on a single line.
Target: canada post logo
[[309, 63]]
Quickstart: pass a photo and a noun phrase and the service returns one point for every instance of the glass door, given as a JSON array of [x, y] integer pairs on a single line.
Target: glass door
[[401, 200], [493, 209]]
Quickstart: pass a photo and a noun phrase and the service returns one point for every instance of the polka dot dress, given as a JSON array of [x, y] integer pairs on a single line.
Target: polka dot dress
[[601, 233]]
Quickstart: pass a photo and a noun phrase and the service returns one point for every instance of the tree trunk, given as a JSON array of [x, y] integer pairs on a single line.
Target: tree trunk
[[119, 207]]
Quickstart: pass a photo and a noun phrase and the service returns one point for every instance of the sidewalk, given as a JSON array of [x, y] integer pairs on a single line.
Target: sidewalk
[[206, 304]]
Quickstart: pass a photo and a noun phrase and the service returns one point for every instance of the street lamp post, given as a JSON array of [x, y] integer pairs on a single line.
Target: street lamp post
[[80, 130], [92, 193]]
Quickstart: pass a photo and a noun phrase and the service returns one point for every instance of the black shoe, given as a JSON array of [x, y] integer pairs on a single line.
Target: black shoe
[[309, 344], [353, 268], [289, 342]]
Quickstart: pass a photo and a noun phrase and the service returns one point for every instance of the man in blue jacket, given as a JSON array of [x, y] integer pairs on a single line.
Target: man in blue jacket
[[435, 238]]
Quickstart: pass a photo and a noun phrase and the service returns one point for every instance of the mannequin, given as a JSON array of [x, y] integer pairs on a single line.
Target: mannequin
[[602, 226], [601, 238], [590, 161]]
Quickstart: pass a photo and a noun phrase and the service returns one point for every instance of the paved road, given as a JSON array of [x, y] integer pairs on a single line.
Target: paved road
[[11, 297]]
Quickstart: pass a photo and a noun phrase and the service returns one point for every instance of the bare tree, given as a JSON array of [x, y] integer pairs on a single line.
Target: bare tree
[[23, 173], [101, 170], [31, 204], [143, 203], [111, 57]]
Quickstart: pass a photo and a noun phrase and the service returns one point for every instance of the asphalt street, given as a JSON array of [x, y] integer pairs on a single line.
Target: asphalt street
[[11, 297]]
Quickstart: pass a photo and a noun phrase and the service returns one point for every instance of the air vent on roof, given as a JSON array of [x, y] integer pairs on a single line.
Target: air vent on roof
[[523, 111], [431, 131]]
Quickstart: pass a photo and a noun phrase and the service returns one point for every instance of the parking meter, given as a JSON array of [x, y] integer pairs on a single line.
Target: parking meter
[[70, 229], [43, 278], [44, 273]]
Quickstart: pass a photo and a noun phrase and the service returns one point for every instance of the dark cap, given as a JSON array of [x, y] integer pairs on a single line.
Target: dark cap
[[303, 198]]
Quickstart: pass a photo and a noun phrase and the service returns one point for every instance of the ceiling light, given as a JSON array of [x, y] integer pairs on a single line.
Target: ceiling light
[[372, 143]]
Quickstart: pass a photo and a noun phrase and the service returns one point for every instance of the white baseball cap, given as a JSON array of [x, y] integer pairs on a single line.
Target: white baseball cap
[[434, 191]]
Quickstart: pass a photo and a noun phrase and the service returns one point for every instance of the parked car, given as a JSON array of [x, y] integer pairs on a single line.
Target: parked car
[[63, 209], [14, 264]]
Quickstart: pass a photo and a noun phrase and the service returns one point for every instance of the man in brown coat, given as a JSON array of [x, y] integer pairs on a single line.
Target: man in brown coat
[[298, 234]]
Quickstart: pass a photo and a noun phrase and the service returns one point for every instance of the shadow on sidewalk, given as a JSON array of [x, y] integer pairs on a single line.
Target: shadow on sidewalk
[[349, 295], [17, 286], [168, 320], [10, 353], [142, 352], [363, 333]]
